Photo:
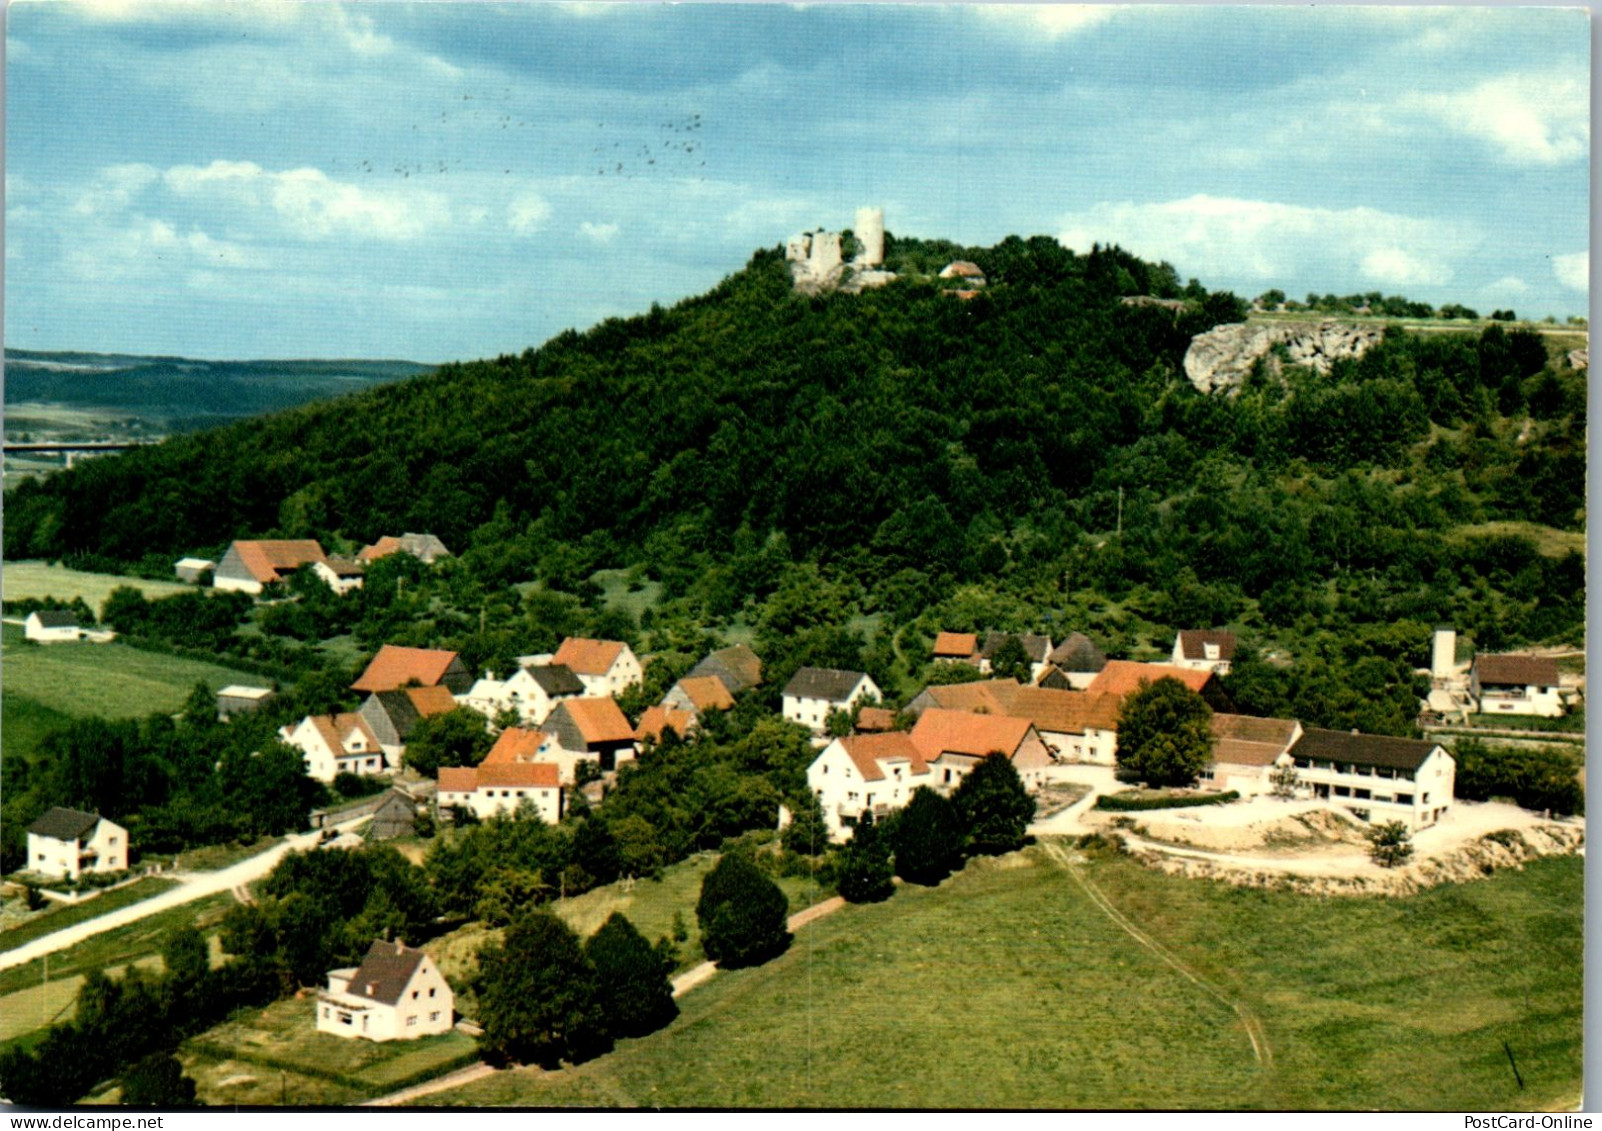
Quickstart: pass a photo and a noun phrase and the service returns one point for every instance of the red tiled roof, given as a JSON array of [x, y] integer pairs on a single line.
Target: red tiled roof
[[1062, 712], [655, 719], [458, 779], [707, 692], [514, 744], [876, 719], [869, 750], [962, 732], [382, 548], [955, 644], [436, 700], [978, 696], [395, 666], [588, 657], [334, 728], [267, 559], [598, 720], [1122, 677], [537, 775], [1519, 670], [1243, 740]]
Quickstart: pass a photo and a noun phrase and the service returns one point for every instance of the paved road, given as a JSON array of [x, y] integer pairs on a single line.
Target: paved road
[[192, 886]]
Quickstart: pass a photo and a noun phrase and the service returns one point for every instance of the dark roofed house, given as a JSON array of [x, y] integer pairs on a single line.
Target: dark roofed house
[[556, 680], [395, 816], [1078, 659], [397, 993], [1204, 650], [66, 843], [737, 666], [393, 715], [1376, 777], [814, 693], [49, 626], [1516, 684]]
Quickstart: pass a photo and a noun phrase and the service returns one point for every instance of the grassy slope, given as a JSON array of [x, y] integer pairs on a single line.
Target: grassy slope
[[24, 722], [1008, 987], [22, 580], [111, 680]]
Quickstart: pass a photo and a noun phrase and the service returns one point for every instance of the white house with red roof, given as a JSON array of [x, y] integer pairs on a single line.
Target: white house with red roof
[[396, 994], [248, 566], [336, 744], [865, 773], [503, 787], [954, 742], [605, 667]]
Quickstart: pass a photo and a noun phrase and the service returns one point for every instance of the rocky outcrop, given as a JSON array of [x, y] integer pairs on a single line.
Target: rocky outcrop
[[1220, 359]]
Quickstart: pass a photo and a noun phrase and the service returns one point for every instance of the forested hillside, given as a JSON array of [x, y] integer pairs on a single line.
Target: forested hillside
[[1035, 450]]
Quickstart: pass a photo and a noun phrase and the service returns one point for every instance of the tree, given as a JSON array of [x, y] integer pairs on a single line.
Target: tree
[[807, 833], [927, 838], [596, 850], [994, 806], [1010, 661], [1391, 844], [864, 873], [633, 979], [456, 738], [1165, 735], [743, 914], [537, 995], [158, 1080], [1283, 778]]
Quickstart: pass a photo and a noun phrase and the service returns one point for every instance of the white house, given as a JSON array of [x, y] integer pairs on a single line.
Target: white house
[[1516, 685], [814, 693], [954, 742], [1376, 777], [340, 574], [396, 994], [1204, 651], [606, 667], [69, 842], [866, 773], [52, 626], [336, 744], [503, 786], [533, 692]]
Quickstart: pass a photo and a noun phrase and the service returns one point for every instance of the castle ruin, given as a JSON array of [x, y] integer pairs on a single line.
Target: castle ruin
[[817, 258]]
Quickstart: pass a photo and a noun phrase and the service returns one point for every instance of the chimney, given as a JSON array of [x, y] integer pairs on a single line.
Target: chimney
[[400, 944]]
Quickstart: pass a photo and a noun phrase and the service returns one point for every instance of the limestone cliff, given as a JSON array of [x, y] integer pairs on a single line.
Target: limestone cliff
[[1220, 359]]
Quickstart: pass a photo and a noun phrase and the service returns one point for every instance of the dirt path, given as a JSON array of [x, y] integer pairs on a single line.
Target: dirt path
[[1253, 1025], [438, 1084]]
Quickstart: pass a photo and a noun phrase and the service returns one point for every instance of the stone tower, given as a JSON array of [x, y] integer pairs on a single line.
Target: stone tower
[[870, 236], [1443, 652]]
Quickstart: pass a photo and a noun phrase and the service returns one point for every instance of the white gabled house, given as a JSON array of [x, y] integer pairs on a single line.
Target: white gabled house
[[1204, 651], [605, 667], [1516, 685], [52, 626], [866, 773], [340, 574], [66, 843], [532, 691], [814, 693], [396, 994], [336, 744], [519, 768]]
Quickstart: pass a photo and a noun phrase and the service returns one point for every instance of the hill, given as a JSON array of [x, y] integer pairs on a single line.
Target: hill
[[173, 394], [800, 460]]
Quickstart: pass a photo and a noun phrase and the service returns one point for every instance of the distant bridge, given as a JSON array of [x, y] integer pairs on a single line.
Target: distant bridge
[[77, 446]]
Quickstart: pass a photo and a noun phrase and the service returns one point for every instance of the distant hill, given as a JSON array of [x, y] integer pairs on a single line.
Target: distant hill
[[178, 394]]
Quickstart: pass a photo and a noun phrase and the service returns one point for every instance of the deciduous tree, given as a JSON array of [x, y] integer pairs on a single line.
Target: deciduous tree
[[1165, 735]]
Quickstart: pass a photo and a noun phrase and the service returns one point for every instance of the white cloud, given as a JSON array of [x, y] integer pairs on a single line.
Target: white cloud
[[527, 213], [1228, 238], [151, 248], [1395, 267], [310, 204], [113, 188], [1508, 285], [1053, 21], [600, 233], [1573, 271], [1531, 119]]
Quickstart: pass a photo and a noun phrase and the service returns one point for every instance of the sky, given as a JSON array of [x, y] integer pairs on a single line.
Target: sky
[[457, 180]]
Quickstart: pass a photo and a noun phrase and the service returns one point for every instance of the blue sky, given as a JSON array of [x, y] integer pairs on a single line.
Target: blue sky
[[455, 180]]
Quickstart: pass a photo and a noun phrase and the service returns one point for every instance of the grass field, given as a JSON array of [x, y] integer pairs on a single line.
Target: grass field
[[614, 585], [28, 1011], [24, 722], [66, 914], [285, 1057], [22, 580], [648, 904], [1011, 987], [112, 680]]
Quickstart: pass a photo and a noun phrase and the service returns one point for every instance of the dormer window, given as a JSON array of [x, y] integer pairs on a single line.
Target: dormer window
[[1210, 651]]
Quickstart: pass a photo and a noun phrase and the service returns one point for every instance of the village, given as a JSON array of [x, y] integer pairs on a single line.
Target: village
[[1272, 797]]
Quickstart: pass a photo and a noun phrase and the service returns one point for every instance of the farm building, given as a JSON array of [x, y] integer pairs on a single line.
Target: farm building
[[52, 626], [737, 666], [395, 666], [193, 569], [249, 566], [424, 547], [236, 699]]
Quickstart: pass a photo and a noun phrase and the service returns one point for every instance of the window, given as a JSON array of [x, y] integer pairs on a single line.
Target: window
[[411, 1021], [414, 995], [1404, 799], [431, 990], [1342, 791], [434, 1016], [1361, 794]]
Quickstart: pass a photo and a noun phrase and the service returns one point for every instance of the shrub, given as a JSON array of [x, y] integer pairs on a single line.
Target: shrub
[[1391, 844], [743, 914], [927, 838], [995, 807], [862, 872]]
